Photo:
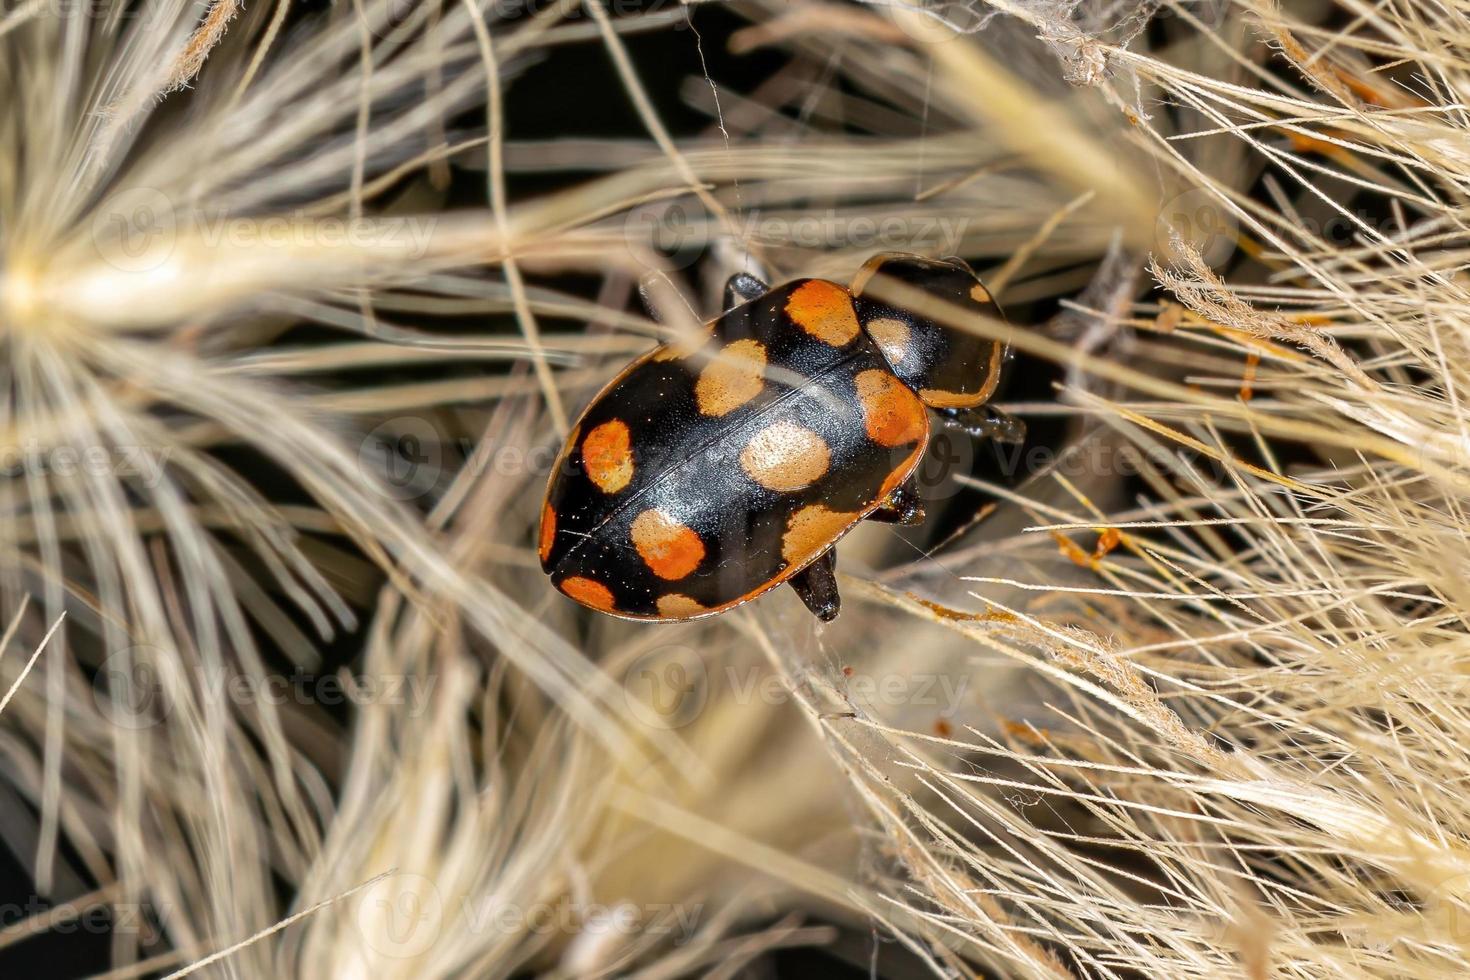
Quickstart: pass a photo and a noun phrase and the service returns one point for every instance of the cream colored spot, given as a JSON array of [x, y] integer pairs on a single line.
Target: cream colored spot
[[892, 413], [891, 336], [589, 592], [824, 310], [812, 530], [667, 547], [785, 457], [607, 456], [733, 377], [979, 293], [677, 606]]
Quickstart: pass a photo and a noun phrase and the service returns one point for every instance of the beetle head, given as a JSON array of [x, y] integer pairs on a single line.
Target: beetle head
[[948, 366]]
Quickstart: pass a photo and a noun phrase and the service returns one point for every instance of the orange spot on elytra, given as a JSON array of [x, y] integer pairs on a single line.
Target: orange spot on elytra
[[607, 456], [824, 310], [892, 413], [811, 530], [667, 547], [733, 377], [589, 592], [548, 531]]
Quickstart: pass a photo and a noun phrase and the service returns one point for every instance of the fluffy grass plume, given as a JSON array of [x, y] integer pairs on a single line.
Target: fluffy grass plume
[[1183, 699]]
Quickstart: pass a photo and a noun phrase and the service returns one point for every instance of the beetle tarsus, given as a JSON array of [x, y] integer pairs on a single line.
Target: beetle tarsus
[[743, 287], [816, 584], [986, 422], [903, 506]]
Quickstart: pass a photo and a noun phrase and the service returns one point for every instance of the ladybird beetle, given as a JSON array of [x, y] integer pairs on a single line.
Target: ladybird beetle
[[709, 472]]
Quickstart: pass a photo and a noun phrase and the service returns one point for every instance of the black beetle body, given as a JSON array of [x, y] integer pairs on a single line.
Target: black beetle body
[[704, 475]]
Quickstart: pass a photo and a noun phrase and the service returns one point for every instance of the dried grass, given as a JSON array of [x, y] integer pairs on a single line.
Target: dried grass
[[1215, 728]]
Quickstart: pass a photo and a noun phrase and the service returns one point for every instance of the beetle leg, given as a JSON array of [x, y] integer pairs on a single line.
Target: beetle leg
[[816, 584], [986, 422], [743, 287], [903, 506]]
